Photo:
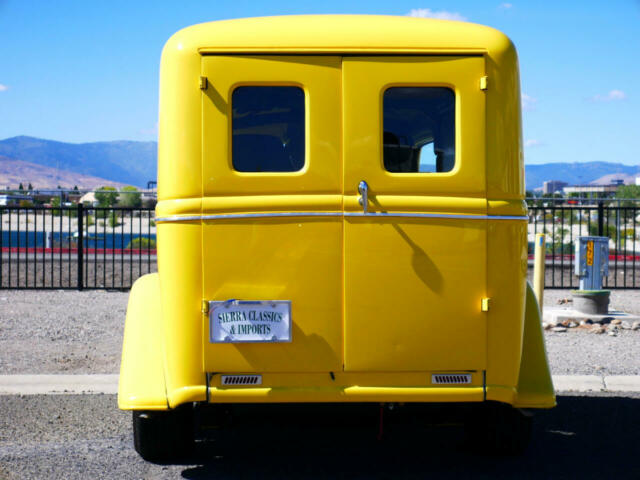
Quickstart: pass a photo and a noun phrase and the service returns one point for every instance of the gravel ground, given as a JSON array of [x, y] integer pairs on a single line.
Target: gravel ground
[[61, 331], [78, 437], [81, 332]]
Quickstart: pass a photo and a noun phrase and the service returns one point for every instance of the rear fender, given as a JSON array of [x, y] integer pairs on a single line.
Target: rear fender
[[142, 383], [535, 387]]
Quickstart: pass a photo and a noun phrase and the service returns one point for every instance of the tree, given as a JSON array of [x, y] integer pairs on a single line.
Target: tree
[[20, 187], [130, 198], [30, 187], [106, 197], [630, 192]]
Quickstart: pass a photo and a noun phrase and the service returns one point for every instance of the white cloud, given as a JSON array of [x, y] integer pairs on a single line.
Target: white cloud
[[506, 6], [3, 88], [613, 95], [442, 14], [531, 143], [528, 102]]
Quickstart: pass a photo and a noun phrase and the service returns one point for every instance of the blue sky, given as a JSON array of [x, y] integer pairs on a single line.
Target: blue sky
[[82, 71]]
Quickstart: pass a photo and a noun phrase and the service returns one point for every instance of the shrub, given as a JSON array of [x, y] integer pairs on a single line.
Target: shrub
[[142, 243], [113, 219]]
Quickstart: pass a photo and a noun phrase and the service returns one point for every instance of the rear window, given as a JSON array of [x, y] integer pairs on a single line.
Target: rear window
[[419, 129], [268, 129]]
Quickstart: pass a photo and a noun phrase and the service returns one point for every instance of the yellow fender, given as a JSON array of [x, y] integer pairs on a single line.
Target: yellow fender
[[535, 387], [142, 383]]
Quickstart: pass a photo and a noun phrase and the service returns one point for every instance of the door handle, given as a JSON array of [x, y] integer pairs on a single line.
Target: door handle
[[363, 189]]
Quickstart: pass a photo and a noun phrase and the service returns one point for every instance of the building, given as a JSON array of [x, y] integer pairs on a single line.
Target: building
[[592, 191], [553, 186], [13, 200]]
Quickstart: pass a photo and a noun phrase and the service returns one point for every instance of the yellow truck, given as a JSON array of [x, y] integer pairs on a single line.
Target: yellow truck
[[341, 218]]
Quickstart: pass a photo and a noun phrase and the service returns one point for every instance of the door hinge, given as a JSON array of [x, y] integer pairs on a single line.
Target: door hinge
[[484, 83], [205, 307], [203, 83], [484, 305]]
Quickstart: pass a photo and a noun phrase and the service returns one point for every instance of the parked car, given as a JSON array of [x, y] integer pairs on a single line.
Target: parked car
[[340, 218]]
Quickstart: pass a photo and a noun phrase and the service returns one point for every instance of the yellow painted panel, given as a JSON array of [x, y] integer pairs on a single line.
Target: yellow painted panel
[[180, 272], [320, 79], [413, 292], [141, 383], [535, 386], [348, 394], [296, 259], [506, 279], [365, 79], [414, 286]]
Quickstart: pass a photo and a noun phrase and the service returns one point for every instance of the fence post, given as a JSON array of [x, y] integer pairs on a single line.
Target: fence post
[[539, 261], [600, 218], [80, 246]]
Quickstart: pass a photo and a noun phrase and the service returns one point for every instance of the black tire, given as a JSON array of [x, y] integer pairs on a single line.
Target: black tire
[[164, 436], [498, 429]]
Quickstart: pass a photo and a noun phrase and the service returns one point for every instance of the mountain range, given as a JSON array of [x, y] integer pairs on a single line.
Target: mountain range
[[580, 173], [127, 162], [134, 163]]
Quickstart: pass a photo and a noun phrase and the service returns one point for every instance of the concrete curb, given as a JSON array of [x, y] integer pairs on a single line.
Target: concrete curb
[[108, 384], [58, 384]]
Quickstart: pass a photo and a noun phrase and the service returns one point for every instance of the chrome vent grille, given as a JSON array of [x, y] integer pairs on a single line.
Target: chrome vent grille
[[451, 378], [241, 380]]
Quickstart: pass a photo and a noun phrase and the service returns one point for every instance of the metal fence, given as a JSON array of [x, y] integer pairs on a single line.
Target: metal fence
[[563, 220], [75, 247]]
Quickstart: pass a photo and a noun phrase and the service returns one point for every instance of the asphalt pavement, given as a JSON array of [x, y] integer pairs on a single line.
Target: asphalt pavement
[[86, 436]]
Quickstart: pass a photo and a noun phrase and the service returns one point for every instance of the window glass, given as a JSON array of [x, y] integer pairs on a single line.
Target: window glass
[[268, 129], [419, 129]]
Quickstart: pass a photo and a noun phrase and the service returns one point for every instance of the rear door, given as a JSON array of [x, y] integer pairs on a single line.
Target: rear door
[[272, 204], [415, 261]]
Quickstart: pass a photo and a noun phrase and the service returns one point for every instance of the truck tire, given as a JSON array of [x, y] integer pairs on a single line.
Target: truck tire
[[164, 436], [499, 429]]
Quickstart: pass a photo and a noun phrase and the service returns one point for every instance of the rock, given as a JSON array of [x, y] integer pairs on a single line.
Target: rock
[[546, 326], [586, 321], [625, 325], [616, 321], [572, 325], [559, 329], [612, 333], [562, 301], [635, 326], [597, 329]]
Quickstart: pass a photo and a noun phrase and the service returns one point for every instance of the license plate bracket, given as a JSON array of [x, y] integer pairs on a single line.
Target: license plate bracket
[[250, 321]]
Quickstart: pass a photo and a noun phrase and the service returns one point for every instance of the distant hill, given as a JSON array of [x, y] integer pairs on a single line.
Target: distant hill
[[579, 173], [14, 172], [127, 162], [134, 163]]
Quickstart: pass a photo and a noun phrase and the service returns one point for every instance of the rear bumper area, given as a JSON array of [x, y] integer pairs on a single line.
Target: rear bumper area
[[345, 388], [344, 394]]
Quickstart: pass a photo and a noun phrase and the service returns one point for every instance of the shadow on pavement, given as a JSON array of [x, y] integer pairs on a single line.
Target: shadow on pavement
[[584, 437]]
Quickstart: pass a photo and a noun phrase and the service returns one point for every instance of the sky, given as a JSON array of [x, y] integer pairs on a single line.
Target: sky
[[83, 71]]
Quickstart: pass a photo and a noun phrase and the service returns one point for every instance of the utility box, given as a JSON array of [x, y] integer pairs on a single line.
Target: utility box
[[592, 261]]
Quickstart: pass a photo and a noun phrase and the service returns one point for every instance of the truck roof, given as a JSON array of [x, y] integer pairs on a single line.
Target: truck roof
[[339, 34]]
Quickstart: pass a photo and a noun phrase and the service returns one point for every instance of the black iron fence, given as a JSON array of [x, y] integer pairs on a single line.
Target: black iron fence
[[75, 247], [563, 220], [79, 247]]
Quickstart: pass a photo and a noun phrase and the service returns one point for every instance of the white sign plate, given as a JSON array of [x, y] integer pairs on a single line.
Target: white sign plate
[[236, 321]]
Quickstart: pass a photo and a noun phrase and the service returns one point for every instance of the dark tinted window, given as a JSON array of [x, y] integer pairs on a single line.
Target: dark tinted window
[[268, 129], [419, 129]]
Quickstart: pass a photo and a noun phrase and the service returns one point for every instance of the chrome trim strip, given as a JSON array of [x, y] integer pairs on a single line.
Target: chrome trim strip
[[233, 216], [435, 215]]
